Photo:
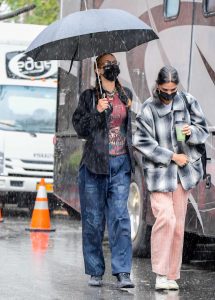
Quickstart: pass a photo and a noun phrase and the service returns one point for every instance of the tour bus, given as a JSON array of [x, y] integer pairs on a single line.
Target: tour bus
[[28, 93], [186, 31]]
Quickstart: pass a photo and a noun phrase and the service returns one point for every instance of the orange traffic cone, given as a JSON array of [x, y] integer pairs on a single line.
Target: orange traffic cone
[[1, 218], [40, 220]]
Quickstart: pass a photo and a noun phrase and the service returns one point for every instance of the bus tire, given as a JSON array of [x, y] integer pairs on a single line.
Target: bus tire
[[190, 242], [140, 231]]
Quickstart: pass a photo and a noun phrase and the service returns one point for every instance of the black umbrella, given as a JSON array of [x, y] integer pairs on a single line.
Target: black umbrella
[[88, 33]]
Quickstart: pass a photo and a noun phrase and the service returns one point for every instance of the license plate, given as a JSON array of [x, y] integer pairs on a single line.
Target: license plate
[[49, 187]]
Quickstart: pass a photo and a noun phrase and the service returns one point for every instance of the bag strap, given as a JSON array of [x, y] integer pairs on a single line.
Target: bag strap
[[186, 101], [94, 101]]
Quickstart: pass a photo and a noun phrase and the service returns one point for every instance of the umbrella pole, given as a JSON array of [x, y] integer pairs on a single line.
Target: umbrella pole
[[97, 74]]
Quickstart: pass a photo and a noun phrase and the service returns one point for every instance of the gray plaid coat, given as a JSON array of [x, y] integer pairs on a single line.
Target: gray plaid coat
[[155, 138]]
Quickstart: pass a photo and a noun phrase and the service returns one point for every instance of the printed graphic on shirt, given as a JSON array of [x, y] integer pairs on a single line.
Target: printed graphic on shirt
[[117, 128]]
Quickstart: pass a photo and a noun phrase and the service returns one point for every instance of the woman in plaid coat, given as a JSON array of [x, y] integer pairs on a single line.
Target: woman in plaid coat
[[171, 169]]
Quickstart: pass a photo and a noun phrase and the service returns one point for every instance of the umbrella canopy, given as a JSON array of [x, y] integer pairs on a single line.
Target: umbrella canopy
[[89, 33]]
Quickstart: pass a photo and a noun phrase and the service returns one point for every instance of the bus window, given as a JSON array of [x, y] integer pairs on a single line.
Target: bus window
[[209, 8], [171, 9]]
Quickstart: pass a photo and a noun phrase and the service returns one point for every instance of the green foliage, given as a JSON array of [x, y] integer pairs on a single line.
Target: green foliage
[[46, 11]]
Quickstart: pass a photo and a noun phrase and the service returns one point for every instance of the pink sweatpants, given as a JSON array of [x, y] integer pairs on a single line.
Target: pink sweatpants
[[167, 235]]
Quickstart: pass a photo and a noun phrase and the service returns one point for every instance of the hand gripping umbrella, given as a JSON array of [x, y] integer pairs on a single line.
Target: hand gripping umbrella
[[88, 33]]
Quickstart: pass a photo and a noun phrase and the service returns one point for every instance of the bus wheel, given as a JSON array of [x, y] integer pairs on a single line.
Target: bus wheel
[[140, 231], [190, 242]]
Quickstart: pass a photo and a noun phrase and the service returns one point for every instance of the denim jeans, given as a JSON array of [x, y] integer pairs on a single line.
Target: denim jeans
[[104, 198]]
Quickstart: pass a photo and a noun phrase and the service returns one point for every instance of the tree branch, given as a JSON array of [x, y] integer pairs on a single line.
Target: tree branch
[[17, 12]]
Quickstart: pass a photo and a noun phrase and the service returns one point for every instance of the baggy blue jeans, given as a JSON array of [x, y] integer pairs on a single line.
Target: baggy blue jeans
[[105, 197]]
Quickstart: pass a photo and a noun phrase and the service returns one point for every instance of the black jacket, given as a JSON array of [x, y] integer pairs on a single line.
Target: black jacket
[[93, 126]]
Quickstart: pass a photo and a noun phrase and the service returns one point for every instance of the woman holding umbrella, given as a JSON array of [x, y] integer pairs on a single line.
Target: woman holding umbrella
[[103, 118], [167, 135]]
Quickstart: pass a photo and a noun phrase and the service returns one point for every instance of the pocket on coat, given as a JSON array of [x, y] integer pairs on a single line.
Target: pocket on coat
[[156, 178], [197, 169]]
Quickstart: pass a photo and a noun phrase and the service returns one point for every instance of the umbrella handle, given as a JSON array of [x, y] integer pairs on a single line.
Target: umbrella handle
[[72, 60]]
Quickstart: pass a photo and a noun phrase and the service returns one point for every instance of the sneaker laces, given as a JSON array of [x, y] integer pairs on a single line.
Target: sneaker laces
[[126, 275]]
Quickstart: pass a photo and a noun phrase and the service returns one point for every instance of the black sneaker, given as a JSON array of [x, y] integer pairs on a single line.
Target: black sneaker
[[124, 280], [95, 281]]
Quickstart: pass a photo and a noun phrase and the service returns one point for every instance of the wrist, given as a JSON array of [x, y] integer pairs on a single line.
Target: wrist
[[174, 156], [98, 109]]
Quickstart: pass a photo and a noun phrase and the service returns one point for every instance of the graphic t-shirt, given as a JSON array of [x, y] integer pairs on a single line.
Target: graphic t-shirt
[[117, 128]]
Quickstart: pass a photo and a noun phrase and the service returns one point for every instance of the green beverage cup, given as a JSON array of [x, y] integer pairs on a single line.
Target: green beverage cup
[[179, 134]]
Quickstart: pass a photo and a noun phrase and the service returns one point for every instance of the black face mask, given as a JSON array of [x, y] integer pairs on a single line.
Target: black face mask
[[111, 72], [166, 96]]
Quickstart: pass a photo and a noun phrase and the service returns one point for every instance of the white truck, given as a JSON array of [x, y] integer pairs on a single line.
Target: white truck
[[27, 117]]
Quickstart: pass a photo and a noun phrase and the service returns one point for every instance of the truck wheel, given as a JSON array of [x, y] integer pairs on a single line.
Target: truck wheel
[[140, 231]]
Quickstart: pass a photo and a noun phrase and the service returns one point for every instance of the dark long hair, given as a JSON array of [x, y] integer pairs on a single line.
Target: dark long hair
[[119, 87], [166, 74]]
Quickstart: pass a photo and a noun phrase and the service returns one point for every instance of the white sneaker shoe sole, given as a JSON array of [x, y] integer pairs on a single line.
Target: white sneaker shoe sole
[[161, 286], [173, 285], [161, 283]]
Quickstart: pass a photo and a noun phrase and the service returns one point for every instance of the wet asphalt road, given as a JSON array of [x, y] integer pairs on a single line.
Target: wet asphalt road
[[45, 266]]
